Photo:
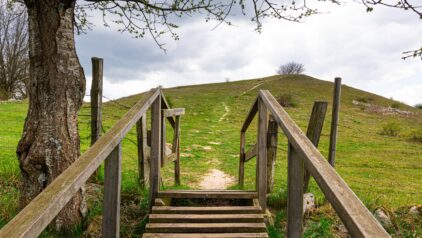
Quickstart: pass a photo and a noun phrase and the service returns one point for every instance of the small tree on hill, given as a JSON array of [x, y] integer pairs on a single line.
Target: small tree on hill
[[291, 68]]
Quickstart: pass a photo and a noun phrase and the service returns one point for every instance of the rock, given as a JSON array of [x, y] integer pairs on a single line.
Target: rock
[[415, 210], [94, 228], [214, 143], [308, 202], [207, 148], [383, 218], [268, 218], [159, 202]]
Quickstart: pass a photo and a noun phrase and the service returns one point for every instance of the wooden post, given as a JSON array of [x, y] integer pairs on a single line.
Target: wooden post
[[141, 136], [96, 101], [295, 194], [262, 155], [316, 122], [272, 140], [111, 203], [176, 150], [334, 121], [154, 179], [242, 159], [163, 140]]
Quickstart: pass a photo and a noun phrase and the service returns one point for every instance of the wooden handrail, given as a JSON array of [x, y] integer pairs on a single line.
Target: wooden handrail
[[251, 115], [353, 213], [36, 216]]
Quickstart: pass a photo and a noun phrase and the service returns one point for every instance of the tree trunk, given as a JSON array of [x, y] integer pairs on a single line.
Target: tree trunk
[[50, 140]]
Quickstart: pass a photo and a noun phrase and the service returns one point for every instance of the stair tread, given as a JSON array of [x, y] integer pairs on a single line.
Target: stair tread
[[206, 210], [205, 227], [203, 218], [208, 235], [239, 194]]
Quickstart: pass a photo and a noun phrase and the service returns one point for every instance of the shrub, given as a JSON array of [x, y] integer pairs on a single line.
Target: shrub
[[365, 99], [291, 68], [287, 100], [395, 105], [416, 136], [418, 106], [390, 129]]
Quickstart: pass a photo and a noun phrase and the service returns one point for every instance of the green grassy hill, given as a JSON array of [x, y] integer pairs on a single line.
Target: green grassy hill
[[382, 170]]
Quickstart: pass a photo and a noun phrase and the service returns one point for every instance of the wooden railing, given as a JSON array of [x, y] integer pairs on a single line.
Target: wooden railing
[[38, 214], [302, 156]]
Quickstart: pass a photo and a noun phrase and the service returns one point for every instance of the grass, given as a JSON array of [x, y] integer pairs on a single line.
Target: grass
[[377, 168]]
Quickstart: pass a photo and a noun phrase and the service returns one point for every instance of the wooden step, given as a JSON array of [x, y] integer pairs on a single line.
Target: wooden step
[[225, 194], [206, 210], [206, 218], [205, 227], [209, 235]]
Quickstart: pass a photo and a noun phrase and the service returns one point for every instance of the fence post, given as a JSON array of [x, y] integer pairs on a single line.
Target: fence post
[[334, 121], [154, 175], [141, 137], [96, 101], [111, 203], [272, 140], [295, 193], [176, 150], [262, 155], [316, 122], [242, 159], [163, 140]]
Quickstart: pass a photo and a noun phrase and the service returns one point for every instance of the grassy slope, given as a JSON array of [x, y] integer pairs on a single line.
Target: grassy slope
[[387, 170]]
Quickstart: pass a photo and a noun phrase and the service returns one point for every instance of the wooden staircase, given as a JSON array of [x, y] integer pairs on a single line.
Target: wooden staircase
[[207, 221]]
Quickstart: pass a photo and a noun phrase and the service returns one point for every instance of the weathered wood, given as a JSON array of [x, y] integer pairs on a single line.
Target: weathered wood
[[242, 160], [334, 121], [294, 194], [176, 151], [173, 112], [207, 210], [226, 194], [205, 218], [163, 141], [262, 155], [141, 137], [205, 227], [202, 235], [251, 114], [272, 140], [315, 125], [165, 105], [357, 218], [32, 220], [111, 202], [154, 178], [251, 153], [96, 102]]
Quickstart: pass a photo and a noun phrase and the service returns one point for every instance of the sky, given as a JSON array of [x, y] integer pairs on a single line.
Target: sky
[[345, 41]]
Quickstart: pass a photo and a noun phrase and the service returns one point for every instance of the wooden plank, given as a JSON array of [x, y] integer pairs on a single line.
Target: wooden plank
[[163, 141], [294, 194], [205, 227], [141, 137], [251, 153], [272, 141], [334, 121], [207, 210], [242, 159], [315, 125], [154, 176], [176, 151], [227, 194], [173, 112], [111, 202], [202, 235], [165, 105], [96, 102], [262, 155], [251, 114], [205, 218], [32, 220], [357, 218]]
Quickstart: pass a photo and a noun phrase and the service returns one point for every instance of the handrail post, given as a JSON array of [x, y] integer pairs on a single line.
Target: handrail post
[[154, 179], [111, 203], [261, 161], [176, 150], [272, 140], [163, 139], [242, 159], [334, 121], [141, 136], [295, 171]]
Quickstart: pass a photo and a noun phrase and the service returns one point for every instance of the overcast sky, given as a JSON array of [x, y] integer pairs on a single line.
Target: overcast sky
[[362, 48]]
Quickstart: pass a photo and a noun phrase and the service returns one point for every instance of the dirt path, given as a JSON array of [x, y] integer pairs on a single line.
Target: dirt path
[[216, 179], [252, 88], [227, 109]]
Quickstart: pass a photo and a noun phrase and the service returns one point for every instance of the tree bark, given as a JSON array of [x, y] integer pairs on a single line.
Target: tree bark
[[50, 141]]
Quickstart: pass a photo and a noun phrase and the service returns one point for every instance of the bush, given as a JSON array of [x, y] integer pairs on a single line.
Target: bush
[[365, 99], [395, 105], [287, 100], [416, 136], [418, 106], [291, 68], [390, 129]]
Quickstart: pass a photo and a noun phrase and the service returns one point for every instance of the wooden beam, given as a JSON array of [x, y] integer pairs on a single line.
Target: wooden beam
[[272, 141], [96, 102], [252, 152], [262, 155], [111, 202], [226, 194], [242, 159], [316, 122], [165, 105], [176, 151], [154, 178], [251, 114], [33, 219], [294, 194], [356, 217], [173, 112], [334, 121], [141, 137]]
